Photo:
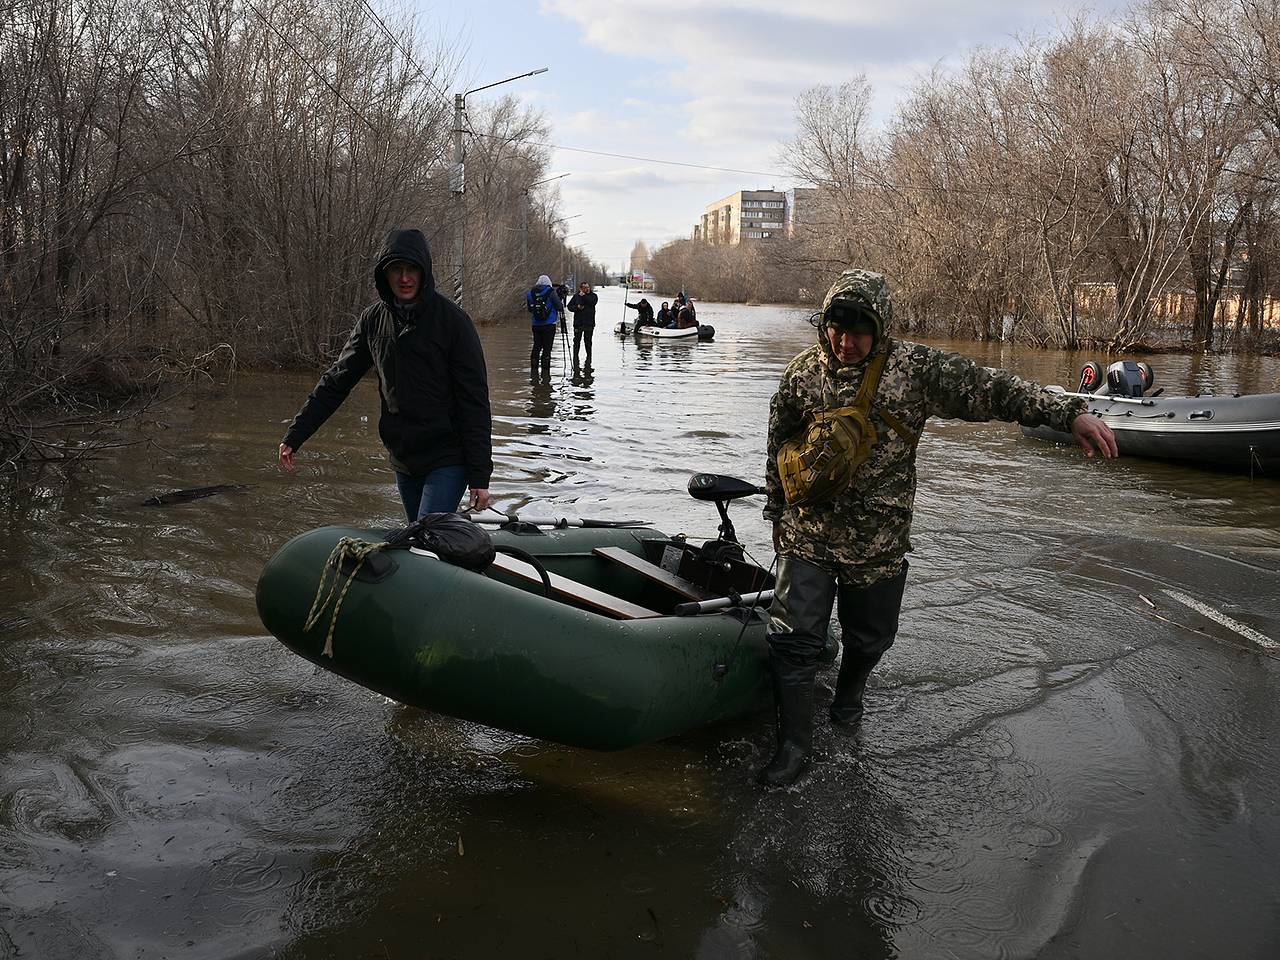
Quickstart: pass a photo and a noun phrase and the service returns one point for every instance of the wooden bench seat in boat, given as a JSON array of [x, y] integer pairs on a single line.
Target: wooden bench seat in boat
[[563, 587], [686, 588]]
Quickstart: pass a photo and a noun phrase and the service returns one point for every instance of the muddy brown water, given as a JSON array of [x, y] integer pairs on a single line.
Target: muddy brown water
[[1070, 751]]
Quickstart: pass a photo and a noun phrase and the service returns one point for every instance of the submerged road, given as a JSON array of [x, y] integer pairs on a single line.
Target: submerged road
[[1070, 751]]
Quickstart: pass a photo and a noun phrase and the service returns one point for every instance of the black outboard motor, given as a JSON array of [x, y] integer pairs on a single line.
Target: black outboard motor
[[1125, 379], [1090, 377], [706, 331]]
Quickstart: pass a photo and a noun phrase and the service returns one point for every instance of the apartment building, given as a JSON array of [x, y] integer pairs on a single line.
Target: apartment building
[[751, 216]]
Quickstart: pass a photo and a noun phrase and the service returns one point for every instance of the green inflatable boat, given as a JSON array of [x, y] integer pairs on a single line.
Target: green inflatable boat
[[588, 633]]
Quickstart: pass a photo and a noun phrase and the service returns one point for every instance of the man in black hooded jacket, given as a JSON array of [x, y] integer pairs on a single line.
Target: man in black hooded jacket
[[434, 390]]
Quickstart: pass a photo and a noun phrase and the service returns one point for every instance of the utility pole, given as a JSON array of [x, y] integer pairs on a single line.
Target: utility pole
[[524, 231], [524, 218], [457, 186], [457, 179]]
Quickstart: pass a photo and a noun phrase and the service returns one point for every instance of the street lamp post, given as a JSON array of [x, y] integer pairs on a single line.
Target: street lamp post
[[524, 217], [457, 178], [564, 246]]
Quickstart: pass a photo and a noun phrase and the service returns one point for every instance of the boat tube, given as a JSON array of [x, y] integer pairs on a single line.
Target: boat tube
[[591, 634]]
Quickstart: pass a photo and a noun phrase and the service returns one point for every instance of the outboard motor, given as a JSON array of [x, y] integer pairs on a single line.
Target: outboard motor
[[1090, 377], [1124, 379], [721, 491], [706, 331], [1148, 377]]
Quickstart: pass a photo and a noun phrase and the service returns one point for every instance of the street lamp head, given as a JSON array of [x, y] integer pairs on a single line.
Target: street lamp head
[[538, 183], [498, 83]]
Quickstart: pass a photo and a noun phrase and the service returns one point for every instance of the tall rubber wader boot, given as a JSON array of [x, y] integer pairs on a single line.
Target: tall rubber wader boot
[[868, 624], [802, 601], [846, 707]]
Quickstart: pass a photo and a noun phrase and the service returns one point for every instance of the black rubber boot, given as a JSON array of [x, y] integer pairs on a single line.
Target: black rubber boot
[[846, 705], [802, 600], [793, 704]]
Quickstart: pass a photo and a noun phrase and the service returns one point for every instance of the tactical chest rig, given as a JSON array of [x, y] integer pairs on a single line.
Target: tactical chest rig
[[820, 462]]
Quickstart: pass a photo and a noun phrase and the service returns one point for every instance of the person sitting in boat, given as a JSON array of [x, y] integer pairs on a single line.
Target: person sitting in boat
[[644, 313], [686, 318], [432, 384], [840, 485], [665, 317]]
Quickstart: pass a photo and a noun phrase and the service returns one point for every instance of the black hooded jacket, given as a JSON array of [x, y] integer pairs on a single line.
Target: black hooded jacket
[[431, 375]]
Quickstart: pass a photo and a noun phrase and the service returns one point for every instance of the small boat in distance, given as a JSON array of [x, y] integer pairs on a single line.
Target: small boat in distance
[[702, 331], [1240, 432]]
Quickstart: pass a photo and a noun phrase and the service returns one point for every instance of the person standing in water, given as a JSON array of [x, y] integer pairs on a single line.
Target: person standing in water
[[841, 484], [545, 308], [583, 308], [433, 387]]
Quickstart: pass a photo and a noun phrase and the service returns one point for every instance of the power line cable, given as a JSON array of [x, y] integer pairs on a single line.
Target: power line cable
[[315, 70], [626, 156], [975, 191], [407, 55]]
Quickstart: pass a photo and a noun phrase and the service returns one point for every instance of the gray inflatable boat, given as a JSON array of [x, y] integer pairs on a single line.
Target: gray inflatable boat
[[1236, 432]]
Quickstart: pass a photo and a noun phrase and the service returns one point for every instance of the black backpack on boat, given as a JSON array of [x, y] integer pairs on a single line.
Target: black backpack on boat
[[452, 538]]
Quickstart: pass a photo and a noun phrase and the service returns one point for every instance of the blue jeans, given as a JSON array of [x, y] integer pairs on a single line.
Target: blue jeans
[[436, 492]]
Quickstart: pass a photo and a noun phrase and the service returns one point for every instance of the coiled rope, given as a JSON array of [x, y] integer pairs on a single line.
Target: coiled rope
[[348, 548]]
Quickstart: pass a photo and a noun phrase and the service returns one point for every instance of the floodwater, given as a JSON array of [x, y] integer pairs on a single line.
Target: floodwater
[[1070, 751]]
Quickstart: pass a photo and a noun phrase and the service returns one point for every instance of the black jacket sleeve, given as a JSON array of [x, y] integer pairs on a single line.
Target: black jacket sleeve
[[334, 386], [471, 397]]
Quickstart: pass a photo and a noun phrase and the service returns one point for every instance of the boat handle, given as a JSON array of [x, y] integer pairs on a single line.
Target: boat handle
[[1200, 415]]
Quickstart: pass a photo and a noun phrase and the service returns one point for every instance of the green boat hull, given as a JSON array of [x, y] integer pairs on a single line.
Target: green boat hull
[[492, 649]]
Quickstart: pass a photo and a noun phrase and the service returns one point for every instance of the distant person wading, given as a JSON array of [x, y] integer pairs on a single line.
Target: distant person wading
[[545, 308], [432, 384], [583, 308]]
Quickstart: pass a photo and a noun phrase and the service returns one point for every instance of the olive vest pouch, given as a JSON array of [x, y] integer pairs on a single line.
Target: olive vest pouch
[[820, 462]]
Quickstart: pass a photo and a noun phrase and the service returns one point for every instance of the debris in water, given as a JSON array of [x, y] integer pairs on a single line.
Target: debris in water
[[194, 493]]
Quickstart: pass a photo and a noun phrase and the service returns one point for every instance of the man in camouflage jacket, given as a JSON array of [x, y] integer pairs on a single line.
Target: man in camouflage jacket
[[853, 547]]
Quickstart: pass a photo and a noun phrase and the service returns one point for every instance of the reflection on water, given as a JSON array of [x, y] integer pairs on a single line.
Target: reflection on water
[[1059, 752]]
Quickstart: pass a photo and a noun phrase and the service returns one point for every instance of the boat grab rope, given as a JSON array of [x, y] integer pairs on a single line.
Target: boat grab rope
[[347, 549]]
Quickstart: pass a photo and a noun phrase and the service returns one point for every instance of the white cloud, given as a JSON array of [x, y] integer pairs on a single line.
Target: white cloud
[[715, 83], [756, 55], [620, 180]]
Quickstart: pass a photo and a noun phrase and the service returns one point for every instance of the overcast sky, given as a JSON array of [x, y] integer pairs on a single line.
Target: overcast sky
[[700, 82]]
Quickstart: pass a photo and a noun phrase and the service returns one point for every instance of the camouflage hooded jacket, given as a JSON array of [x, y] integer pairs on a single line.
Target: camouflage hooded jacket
[[863, 535]]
